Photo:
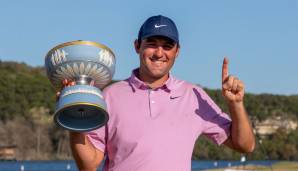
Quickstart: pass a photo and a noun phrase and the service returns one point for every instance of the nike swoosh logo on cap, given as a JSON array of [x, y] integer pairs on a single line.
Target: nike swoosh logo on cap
[[158, 26]]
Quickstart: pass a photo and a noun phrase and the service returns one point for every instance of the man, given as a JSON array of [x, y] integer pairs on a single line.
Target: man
[[155, 118]]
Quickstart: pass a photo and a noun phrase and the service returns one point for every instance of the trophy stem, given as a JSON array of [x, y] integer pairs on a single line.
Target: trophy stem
[[84, 80]]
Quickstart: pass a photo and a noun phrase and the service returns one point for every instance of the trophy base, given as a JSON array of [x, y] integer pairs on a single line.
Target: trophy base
[[81, 117]]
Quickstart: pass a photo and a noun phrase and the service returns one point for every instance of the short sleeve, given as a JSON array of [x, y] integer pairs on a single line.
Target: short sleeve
[[98, 138], [216, 124]]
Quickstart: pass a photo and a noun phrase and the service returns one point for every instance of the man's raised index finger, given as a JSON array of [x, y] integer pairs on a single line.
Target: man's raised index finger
[[225, 71]]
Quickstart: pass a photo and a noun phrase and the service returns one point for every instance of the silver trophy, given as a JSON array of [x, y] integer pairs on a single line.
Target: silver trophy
[[91, 66]]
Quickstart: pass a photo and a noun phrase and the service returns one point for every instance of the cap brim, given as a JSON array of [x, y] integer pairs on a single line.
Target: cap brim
[[162, 35]]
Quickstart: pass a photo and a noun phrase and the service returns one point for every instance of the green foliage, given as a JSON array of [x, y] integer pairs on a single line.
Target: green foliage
[[205, 150], [282, 145], [22, 88], [263, 106], [267, 105]]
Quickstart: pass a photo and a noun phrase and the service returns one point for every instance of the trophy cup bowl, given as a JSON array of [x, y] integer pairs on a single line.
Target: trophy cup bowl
[[91, 66]]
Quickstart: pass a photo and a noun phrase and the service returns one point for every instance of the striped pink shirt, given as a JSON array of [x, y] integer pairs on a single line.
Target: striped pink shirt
[[156, 129]]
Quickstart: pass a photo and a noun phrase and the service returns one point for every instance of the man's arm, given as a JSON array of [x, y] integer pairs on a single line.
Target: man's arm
[[242, 138], [87, 157]]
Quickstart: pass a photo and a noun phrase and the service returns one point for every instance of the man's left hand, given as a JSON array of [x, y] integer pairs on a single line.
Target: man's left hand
[[232, 87]]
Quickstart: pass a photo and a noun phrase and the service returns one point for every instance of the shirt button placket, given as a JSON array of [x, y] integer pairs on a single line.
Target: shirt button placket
[[153, 106]]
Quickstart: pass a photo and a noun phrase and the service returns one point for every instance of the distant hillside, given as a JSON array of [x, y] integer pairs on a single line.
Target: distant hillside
[[263, 106], [27, 102], [23, 87]]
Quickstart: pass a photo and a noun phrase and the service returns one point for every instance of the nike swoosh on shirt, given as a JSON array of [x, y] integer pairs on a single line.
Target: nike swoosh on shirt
[[174, 97], [158, 26]]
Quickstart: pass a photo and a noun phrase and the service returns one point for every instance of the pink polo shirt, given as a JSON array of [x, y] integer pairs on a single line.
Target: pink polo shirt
[[156, 129]]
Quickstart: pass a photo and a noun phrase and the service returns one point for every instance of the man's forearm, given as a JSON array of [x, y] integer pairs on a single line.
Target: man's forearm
[[242, 135], [84, 153]]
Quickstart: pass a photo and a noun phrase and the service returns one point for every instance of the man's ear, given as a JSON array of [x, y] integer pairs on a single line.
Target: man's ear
[[178, 51], [137, 46]]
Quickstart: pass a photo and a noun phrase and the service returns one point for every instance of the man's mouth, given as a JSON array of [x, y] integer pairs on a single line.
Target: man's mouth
[[157, 62], [157, 59]]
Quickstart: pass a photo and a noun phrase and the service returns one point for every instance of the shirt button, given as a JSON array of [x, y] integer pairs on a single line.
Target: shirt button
[[152, 101]]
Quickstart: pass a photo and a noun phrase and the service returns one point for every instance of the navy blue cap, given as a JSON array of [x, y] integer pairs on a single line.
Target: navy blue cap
[[159, 26]]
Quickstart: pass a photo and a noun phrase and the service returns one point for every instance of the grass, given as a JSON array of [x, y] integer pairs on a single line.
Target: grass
[[279, 166]]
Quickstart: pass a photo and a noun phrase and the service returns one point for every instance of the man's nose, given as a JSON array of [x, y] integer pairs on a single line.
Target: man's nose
[[159, 52]]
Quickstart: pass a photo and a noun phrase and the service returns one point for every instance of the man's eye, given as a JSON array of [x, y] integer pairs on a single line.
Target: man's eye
[[168, 47], [151, 45]]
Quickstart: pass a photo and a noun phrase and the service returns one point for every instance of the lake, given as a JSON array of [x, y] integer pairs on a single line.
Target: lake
[[70, 165]]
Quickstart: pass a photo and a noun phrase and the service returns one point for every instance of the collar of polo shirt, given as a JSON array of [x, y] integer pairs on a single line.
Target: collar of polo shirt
[[171, 85]]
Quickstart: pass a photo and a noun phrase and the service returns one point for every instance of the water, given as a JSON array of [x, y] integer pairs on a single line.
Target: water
[[203, 165], [71, 166]]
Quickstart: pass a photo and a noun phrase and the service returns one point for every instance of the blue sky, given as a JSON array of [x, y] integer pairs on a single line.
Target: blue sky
[[259, 37]]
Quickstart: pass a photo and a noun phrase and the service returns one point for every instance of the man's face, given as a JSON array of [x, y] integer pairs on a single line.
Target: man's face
[[157, 56]]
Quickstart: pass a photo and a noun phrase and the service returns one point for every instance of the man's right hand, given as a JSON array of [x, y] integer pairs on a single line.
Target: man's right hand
[[65, 83], [87, 157]]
